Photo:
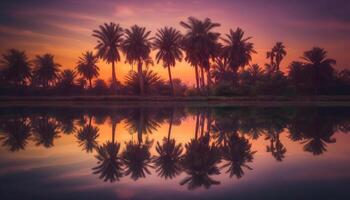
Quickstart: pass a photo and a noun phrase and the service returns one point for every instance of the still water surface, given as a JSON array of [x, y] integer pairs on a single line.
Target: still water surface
[[146, 152]]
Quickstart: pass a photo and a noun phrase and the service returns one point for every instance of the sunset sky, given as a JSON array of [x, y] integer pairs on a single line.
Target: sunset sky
[[64, 27]]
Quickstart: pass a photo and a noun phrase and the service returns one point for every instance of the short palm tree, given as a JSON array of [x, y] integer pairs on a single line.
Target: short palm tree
[[200, 44], [109, 40], [320, 67], [67, 78], [280, 52], [237, 49], [137, 49], [46, 71], [168, 44], [16, 67], [150, 80], [87, 66]]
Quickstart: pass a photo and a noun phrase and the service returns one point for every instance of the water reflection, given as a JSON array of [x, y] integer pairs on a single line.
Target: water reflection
[[221, 140]]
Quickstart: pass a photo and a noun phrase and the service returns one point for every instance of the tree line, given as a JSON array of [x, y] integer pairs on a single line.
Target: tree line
[[221, 138], [222, 65]]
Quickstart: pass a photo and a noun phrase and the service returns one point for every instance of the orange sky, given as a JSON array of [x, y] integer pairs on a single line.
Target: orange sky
[[64, 28]]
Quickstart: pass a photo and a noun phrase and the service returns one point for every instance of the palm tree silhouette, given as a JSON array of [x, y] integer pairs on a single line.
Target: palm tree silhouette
[[15, 133], [167, 42], [67, 79], [16, 67], [87, 66], [280, 53], [137, 48], [319, 66], [237, 152], [255, 73], [237, 49], [109, 41], [220, 70], [87, 136], [46, 71], [200, 161], [200, 44], [45, 130], [150, 79], [169, 155]]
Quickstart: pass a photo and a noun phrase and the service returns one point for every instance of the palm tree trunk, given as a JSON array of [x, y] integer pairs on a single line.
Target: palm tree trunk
[[114, 125], [196, 128], [171, 81], [114, 79], [170, 124], [197, 78], [202, 79], [140, 126], [141, 82], [208, 81], [90, 83]]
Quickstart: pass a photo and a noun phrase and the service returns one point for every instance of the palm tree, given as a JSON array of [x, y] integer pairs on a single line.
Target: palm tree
[[296, 73], [200, 44], [67, 79], [87, 66], [46, 71], [109, 41], [280, 52], [150, 79], [319, 66], [137, 47], [220, 70], [255, 73], [237, 49], [167, 42], [169, 155], [16, 67]]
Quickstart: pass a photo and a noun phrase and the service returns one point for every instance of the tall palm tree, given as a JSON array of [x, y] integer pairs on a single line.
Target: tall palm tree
[[137, 48], [87, 66], [46, 71], [280, 52], [167, 42], [16, 67], [320, 67], [109, 41], [237, 49], [200, 44]]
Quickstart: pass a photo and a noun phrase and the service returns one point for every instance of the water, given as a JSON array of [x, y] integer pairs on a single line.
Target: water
[[145, 152]]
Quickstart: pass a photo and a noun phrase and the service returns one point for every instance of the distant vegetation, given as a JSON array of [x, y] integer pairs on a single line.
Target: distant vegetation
[[222, 65]]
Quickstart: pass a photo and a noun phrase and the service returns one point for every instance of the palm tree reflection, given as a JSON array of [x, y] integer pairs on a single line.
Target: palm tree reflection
[[45, 130], [169, 155], [237, 153], [87, 137], [200, 161], [110, 166], [15, 133]]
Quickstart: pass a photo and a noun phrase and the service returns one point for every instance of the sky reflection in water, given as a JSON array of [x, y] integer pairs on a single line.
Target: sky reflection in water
[[174, 152]]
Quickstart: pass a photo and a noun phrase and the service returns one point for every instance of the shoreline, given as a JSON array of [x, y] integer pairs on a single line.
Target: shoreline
[[125, 101]]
